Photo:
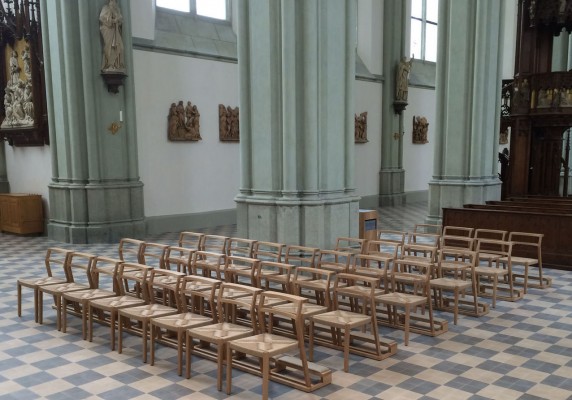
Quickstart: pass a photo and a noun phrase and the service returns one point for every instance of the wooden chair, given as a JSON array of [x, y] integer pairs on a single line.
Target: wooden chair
[[198, 289], [102, 266], [55, 261], [240, 247], [160, 281], [273, 274], [153, 254], [268, 251], [456, 275], [301, 256], [393, 236], [318, 282], [215, 244], [334, 260], [191, 240], [130, 250], [179, 259], [195, 294], [361, 291], [494, 251], [350, 245], [461, 231], [78, 270], [410, 285], [127, 273], [383, 251], [206, 263], [527, 244], [236, 267], [422, 245], [489, 234], [267, 346], [219, 334], [373, 266]]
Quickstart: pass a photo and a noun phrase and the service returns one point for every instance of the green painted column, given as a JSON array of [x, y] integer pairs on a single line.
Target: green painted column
[[297, 70], [468, 87], [4, 185], [95, 193], [392, 174]]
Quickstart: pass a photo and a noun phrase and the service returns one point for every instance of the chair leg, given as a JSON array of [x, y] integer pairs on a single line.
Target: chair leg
[[456, 306], [188, 347], [144, 336], [495, 284], [228, 369], [220, 362], [346, 349], [84, 320], [311, 341], [20, 300], [119, 334], [526, 278], [152, 329], [406, 325], [180, 334], [265, 376]]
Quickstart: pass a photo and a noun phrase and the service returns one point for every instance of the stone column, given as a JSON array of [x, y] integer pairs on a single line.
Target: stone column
[[297, 70], [95, 194], [4, 185], [392, 174], [468, 87]]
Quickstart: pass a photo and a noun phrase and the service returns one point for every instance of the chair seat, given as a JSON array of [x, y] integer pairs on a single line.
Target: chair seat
[[342, 319], [233, 294], [308, 309], [64, 287], [116, 302], [481, 270], [264, 344], [181, 321], [317, 284], [519, 260], [48, 280], [148, 311], [89, 294], [220, 332], [448, 283], [396, 299], [359, 290]]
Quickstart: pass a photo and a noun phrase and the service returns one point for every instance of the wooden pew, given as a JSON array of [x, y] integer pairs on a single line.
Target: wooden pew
[[521, 208], [556, 227]]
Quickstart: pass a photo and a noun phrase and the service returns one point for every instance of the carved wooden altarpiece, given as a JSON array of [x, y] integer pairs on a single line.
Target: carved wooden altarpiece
[[23, 120], [361, 128], [228, 124], [184, 122], [420, 129]]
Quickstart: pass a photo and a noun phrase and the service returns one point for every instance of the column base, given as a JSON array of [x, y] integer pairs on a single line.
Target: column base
[[391, 187], [316, 223], [455, 193], [96, 213]]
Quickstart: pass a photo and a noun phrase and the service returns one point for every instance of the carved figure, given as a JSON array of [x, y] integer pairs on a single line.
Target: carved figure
[[420, 129], [183, 122], [27, 64], [110, 26], [28, 104], [402, 79], [18, 96], [503, 137], [222, 124], [229, 127], [361, 128], [14, 68], [544, 98]]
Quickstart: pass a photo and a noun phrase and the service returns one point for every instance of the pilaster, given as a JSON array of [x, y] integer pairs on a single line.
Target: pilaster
[[95, 194], [468, 105], [296, 69]]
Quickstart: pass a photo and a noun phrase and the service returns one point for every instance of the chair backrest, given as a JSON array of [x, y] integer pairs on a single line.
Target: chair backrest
[[240, 247], [458, 258], [164, 285], [411, 275], [268, 251], [133, 274], [502, 248], [397, 237], [268, 269], [240, 263], [191, 240], [201, 258], [290, 308], [428, 228], [456, 242], [350, 245], [494, 234], [230, 295], [304, 278], [422, 245], [179, 258], [130, 250], [464, 231], [55, 261], [526, 244], [301, 256], [79, 268], [333, 260], [382, 248], [105, 266], [215, 244], [153, 254], [197, 288], [371, 266], [356, 287]]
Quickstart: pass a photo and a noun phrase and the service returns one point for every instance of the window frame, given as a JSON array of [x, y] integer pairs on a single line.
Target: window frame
[[193, 11], [424, 22]]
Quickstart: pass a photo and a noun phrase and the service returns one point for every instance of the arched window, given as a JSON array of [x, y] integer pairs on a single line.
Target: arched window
[[217, 9], [424, 14]]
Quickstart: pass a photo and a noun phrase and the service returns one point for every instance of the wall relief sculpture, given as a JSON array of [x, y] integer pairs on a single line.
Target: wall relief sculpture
[[420, 128], [24, 120], [228, 124], [184, 122], [112, 63], [361, 128]]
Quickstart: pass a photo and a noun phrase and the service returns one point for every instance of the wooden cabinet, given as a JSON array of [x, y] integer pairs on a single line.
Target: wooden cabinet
[[21, 213], [368, 224]]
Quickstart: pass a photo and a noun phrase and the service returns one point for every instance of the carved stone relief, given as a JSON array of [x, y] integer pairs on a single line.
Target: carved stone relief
[[420, 128], [184, 122], [228, 124], [361, 128], [18, 96]]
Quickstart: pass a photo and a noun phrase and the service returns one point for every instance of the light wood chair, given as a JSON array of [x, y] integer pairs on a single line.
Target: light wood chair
[[55, 261], [334, 260], [373, 266], [271, 275], [489, 234], [267, 346], [130, 250], [78, 270], [161, 281], [350, 245], [393, 236], [198, 289], [191, 240], [236, 267], [179, 259], [153, 254], [128, 274], [240, 247], [316, 283], [219, 334], [462, 231], [215, 244], [301, 256], [361, 291], [524, 244], [493, 251], [422, 245], [101, 266], [207, 263], [199, 295], [268, 251]]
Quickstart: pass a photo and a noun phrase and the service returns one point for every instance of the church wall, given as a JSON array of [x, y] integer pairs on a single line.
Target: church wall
[[184, 177]]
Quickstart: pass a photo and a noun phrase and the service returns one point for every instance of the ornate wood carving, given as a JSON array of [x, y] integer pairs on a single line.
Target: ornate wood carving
[[228, 124], [184, 122], [360, 131], [420, 128], [24, 120]]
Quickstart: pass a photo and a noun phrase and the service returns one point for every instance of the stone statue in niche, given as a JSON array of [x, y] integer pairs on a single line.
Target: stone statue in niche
[[18, 95], [110, 26], [361, 128], [228, 124], [420, 128], [402, 80], [184, 122]]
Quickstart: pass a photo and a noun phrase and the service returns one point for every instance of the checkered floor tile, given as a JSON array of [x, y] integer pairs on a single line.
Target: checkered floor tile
[[520, 350]]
